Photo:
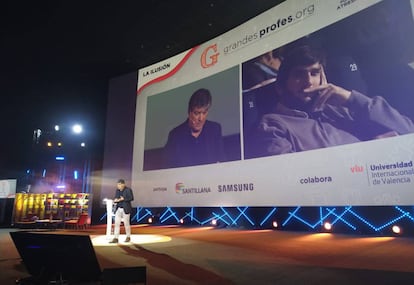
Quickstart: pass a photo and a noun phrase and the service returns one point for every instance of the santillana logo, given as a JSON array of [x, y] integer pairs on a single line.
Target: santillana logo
[[179, 188]]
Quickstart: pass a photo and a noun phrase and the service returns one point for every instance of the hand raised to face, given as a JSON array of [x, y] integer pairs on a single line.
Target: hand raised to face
[[327, 93]]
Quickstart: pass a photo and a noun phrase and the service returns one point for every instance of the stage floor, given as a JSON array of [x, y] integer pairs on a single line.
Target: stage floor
[[205, 255]]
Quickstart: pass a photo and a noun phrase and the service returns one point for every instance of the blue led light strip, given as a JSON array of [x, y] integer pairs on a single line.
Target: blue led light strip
[[268, 216], [242, 213], [349, 216], [172, 214], [147, 213], [339, 218]]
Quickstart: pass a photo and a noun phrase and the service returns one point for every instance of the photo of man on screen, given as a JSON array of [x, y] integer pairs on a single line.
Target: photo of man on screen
[[313, 113], [197, 140]]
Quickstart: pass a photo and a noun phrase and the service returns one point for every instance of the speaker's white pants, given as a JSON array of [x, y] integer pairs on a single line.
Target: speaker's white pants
[[121, 216]]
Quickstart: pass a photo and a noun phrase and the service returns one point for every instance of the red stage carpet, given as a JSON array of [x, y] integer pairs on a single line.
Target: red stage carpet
[[203, 255]]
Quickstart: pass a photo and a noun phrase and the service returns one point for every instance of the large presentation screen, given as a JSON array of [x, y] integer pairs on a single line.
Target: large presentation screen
[[310, 103]]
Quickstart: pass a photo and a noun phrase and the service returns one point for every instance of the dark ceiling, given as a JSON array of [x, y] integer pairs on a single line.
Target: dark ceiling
[[56, 56], [105, 39]]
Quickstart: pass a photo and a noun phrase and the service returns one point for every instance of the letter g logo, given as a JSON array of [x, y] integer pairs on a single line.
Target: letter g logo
[[209, 57]]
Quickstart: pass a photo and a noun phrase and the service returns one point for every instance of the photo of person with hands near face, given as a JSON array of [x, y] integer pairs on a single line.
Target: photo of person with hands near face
[[313, 113]]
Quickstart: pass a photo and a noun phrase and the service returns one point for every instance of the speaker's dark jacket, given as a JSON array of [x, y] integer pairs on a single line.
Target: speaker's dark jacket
[[128, 197]]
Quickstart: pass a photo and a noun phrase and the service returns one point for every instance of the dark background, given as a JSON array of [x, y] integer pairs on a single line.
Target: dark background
[[56, 58]]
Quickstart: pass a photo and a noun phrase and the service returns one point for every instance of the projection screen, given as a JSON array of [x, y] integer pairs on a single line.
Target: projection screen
[[274, 159]]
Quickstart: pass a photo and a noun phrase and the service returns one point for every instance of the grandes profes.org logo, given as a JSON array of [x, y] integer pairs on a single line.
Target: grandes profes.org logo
[[180, 188], [209, 57]]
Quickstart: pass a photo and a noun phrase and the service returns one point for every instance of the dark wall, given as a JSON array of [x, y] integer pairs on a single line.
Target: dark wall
[[119, 133]]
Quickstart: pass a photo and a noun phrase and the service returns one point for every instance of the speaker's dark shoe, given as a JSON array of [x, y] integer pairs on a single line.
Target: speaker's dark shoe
[[115, 240]]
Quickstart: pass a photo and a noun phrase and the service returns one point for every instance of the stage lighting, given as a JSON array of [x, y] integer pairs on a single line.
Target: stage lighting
[[77, 129], [150, 220], [327, 226], [181, 221], [214, 222], [275, 224], [396, 229]]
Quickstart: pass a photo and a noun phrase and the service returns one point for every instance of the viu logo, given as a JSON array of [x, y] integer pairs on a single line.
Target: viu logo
[[357, 168]]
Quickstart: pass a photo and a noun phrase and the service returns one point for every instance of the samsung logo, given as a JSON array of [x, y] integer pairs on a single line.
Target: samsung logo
[[239, 187]]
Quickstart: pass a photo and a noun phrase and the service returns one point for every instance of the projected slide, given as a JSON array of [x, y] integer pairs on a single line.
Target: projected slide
[[308, 104]]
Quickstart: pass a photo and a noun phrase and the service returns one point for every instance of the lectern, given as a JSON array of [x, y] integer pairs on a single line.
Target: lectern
[[109, 215]]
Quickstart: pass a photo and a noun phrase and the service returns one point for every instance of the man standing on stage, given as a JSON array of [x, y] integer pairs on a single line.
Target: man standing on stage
[[123, 198]]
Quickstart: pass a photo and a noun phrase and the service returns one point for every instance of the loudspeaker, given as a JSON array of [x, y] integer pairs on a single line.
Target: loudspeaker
[[124, 275], [51, 257], [6, 212]]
